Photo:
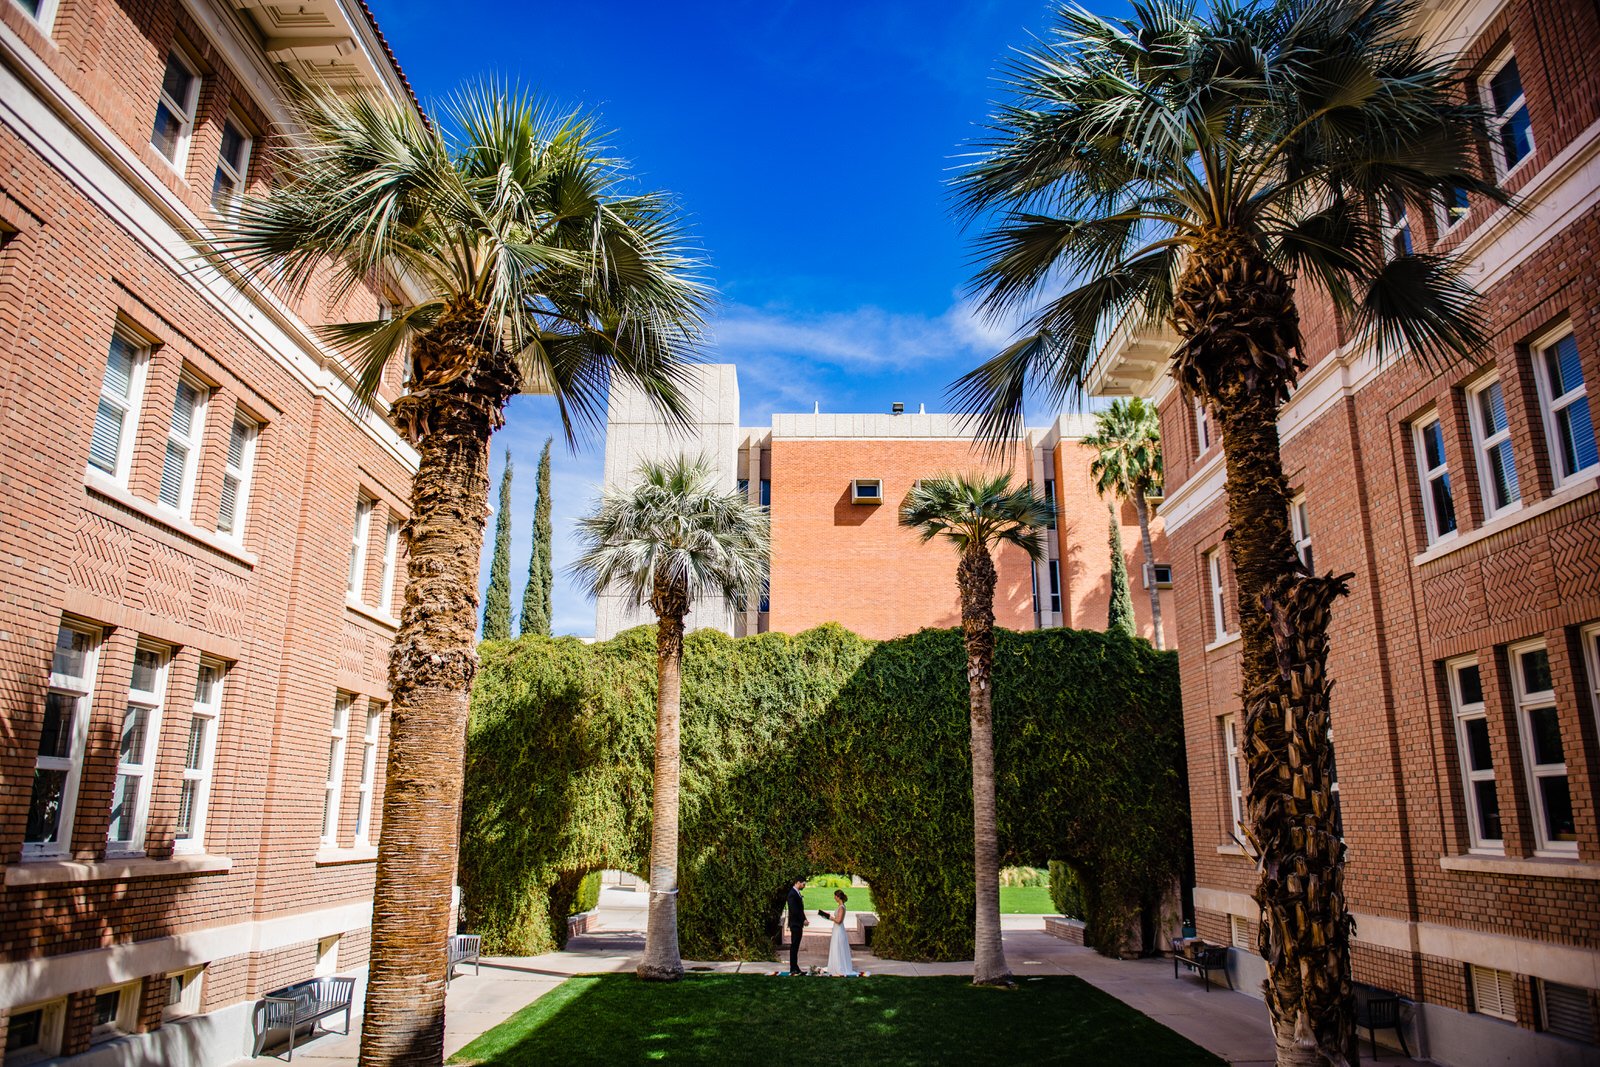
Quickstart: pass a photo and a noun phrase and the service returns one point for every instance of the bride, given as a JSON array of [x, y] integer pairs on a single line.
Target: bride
[[840, 963]]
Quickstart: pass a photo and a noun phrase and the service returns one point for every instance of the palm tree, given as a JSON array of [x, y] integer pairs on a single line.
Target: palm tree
[[1127, 464], [674, 538], [1198, 167], [539, 270], [973, 514]]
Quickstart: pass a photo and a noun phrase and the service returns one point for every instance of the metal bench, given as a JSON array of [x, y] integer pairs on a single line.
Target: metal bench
[[463, 948], [300, 1004], [1200, 958], [1378, 1009]]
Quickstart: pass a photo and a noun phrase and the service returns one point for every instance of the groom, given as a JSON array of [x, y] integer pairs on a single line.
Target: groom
[[797, 923]]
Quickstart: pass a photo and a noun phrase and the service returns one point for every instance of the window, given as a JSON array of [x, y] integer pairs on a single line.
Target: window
[[116, 1011], [116, 418], [1566, 1011], [1050, 498], [391, 549], [43, 13], [1033, 570], [33, 1032], [358, 547], [766, 492], [1476, 755], [1202, 427], [1300, 530], [1591, 655], [61, 740], [136, 751], [1438, 500], [744, 487], [1564, 400], [332, 785], [1494, 992], [182, 459], [1159, 573], [236, 478], [1235, 771], [1055, 587], [369, 770], [233, 166], [194, 795], [1491, 435], [1539, 719], [1395, 227], [1453, 207], [183, 993], [1219, 597], [1239, 933], [1509, 125], [180, 89], [327, 956], [1333, 787], [866, 491]]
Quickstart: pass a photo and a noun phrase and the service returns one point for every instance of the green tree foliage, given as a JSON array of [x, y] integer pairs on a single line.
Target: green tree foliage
[[497, 601], [537, 603], [820, 751], [1127, 465], [1120, 614]]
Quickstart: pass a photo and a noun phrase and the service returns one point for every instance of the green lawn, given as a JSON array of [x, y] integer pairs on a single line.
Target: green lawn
[[885, 1021], [1014, 900]]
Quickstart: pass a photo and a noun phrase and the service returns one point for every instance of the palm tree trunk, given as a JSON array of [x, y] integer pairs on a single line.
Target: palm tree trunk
[[1237, 315], [1142, 506], [661, 960], [976, 576], [430, 676]]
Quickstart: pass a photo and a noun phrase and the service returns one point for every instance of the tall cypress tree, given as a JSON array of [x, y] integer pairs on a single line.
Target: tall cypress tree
[[497, 602], [536, 598], [1120, 615]]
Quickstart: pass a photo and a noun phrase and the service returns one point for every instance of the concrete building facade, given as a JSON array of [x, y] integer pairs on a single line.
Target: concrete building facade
[[1467, 657], [833, 485], [200, 570]]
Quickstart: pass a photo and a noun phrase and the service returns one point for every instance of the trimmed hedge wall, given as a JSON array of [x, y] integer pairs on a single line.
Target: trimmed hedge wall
[[820, 751]]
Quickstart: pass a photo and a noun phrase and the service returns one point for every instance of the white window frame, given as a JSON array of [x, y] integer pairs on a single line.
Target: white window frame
[[1394, 224], [333, 784], [1300, 528], [126, 407], [1240, 932], [369, 773], [189, 445], [391, 552], [1054, 570], [237, 474], [44, 18], [1444, 211], [150, 701], [225, 167], [1464, 713], [1151, 575], [1527, 702], [1202, 428], [1550, 405], [355, 591], [1231, 753], [127, 1017], [81, 691], [207, 712], [186, 111], [1430, 474], [1484, 441], [189, 985], [859, 493], [1494, 992], [1590, 636], [1219, 601], [52, 1028], [327, 956], [1499, 119]]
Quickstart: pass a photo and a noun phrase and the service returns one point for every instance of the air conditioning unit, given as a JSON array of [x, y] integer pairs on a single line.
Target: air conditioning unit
[[866, 491], [1159, 573]]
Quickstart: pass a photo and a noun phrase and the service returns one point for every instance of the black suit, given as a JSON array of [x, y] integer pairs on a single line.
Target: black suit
[[797, 923]]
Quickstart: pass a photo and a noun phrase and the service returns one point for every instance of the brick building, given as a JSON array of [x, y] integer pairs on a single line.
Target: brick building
[[199, 528], [1467, 656], [834, 484]]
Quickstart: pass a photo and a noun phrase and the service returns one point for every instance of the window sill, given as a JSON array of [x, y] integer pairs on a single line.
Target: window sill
[[56, 872], [102, 486], [1231, 850], [1222, 642], [338, 857], [1566, 495], [377, 615], [1525, 867]]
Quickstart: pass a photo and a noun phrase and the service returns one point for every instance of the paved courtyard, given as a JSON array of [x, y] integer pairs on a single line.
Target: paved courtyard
[[1229, 1024]]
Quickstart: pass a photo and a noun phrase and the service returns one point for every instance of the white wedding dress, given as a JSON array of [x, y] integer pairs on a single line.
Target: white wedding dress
[[840, 963]]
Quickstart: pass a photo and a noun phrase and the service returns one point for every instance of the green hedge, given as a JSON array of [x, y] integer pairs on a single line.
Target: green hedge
[[820, 751]]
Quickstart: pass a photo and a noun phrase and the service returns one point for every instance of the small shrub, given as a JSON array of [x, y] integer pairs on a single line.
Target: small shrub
[[828, 881], [588, 894], [1023, 876]]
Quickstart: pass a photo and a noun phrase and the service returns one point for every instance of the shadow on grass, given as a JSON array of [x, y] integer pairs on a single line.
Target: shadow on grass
[[759, 1019]]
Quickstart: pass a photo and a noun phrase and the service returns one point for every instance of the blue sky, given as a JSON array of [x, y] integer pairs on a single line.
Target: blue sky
[[809, 145]]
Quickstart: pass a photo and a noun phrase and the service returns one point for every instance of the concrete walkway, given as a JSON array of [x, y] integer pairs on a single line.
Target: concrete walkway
[[1231, 1025]]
